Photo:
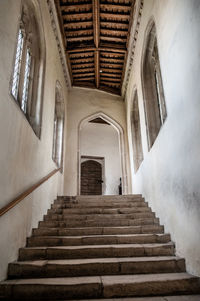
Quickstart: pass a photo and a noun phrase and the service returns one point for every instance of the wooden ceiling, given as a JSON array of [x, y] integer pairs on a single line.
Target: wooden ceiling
[[96, 35]]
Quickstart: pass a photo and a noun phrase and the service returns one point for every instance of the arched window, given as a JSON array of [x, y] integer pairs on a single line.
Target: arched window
[[58, 132], [27, 78], [136, 133], [154, 101]]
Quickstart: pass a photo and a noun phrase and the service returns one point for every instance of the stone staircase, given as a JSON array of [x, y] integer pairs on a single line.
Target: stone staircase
[[92, 247]]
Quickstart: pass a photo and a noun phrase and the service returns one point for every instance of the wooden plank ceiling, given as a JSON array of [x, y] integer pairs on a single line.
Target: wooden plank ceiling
[[96, 35]]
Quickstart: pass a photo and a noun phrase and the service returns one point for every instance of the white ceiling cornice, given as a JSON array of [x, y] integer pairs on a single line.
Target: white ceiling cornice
[[61, 49], [132, 44]]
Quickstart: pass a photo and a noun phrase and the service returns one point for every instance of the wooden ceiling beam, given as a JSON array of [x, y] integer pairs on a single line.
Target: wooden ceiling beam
[[113, 32], [74, 25], [112, 16], [82, 66], [110, 75], [83, 32], [111, 65], [113, 39], [111, 60], [97, 70], [96, 24], [110, 48], [80, 38], [82, 70], [114, 25], [115, 8], [111, 70], [125, 2], [82, 61], [81, 50], [82, 76], [111, 79], [76, 8], [79, 17]]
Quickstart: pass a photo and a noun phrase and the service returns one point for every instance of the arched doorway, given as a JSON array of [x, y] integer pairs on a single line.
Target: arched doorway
[[120, 145], [91, 178]]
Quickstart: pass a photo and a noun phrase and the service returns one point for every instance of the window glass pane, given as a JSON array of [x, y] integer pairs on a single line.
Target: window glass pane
[[17, 67], [26, 81]]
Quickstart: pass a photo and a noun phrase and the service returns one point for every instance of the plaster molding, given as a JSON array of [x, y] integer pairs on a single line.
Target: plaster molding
[[58, 37], [132, 44]]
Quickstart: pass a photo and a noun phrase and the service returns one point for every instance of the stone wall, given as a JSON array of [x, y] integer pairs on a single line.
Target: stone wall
[[169, 174], [25, 159]]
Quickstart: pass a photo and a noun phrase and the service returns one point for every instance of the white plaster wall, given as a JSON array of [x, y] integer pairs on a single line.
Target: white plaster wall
[[25, 159], [102, 140], [169, 175], [83, 103]]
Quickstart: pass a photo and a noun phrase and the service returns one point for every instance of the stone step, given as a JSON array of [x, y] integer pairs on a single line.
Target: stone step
[[108, 197], [96, 251], [59, 209], [95, 267], [100, 199], [100, 287], [98, 217], [158, 298], [108, 223], [42, 241], [98, 230], [102, 205]]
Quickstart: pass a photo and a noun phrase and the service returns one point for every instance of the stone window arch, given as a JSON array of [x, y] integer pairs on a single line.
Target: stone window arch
[[154, 100], [29, 63], [136, 132], [58, 131]]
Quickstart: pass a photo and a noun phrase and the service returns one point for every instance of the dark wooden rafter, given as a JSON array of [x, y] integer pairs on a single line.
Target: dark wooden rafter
[[96, 34], [96, 27]]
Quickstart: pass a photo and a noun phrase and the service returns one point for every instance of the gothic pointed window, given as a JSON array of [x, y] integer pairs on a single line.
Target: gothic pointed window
[[154, 100], [136, 133], [28, 71], [58, 128]]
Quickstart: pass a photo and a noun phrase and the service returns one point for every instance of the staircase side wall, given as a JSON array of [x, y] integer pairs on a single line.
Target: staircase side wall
[[25, 159], [169, 174]]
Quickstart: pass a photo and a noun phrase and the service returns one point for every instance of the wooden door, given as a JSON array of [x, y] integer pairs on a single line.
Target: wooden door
[[91, 178]]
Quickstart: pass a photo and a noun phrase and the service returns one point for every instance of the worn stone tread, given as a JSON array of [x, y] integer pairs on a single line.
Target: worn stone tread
[[95, 251], [144, 229], [99, 287], [94, 223], [97, 239], [96, 266]]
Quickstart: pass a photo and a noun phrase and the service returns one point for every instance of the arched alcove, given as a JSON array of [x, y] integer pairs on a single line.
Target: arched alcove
[[120, 134]]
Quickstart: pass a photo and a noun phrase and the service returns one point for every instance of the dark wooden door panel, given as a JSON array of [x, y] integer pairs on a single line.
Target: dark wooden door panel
[[91, 178]]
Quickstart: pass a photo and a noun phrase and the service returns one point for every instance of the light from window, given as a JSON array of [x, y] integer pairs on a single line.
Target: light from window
[[26, 81], [17, 67]]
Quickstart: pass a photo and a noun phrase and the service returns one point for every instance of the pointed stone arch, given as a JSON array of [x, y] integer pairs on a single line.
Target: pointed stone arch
[[120, 133]]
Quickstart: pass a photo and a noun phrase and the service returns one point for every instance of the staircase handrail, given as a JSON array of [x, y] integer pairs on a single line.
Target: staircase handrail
[[28, 191]]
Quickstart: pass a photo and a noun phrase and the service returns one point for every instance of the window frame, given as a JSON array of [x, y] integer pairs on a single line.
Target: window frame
[[58, 128], [152, 86], [31, 103]]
